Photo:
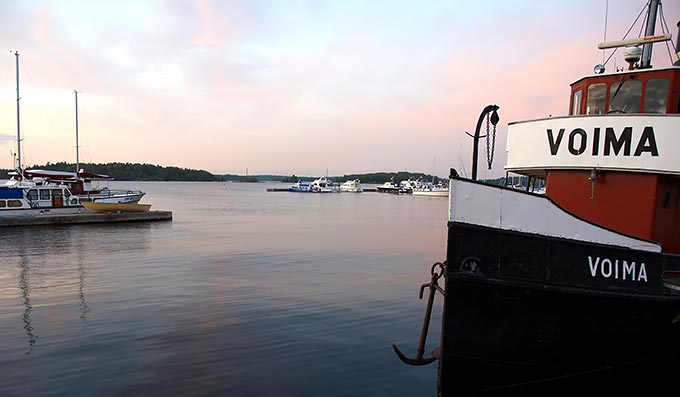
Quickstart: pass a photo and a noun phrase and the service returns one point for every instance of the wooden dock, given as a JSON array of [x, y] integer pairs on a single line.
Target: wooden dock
[[87, 217]]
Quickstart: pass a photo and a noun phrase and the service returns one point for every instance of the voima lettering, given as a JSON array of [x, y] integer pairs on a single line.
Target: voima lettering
[[616, 269], [606, 144]]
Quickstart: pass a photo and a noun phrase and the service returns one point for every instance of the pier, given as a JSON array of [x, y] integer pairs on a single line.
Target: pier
[[285, 189], [86, 217]]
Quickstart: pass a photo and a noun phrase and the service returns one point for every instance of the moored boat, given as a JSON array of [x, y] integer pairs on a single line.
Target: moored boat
[[353, 186], [300, 187], [82, 186], [324, 185], [79, 183], [115, 207], [390, 187], [409, 185], [430, 190], [575, 289], [21, 197]]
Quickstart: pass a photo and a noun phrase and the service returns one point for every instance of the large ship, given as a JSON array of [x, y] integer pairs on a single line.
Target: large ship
[[577, 289]]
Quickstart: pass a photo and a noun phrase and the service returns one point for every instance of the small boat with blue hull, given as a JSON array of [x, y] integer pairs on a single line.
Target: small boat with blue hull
[[575, 289], [300, 187]]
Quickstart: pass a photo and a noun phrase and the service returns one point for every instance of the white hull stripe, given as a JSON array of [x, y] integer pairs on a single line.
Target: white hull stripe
[[509, 209]]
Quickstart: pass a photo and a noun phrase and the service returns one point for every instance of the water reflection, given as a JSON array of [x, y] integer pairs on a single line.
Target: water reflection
[[84, 309], [24, 285], [47, 275]]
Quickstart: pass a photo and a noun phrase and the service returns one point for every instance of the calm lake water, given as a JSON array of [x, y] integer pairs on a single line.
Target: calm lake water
[[245, 293]]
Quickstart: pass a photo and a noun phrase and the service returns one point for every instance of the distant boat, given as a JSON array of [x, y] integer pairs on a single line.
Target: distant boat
[[353, 186], [300, 187], [324, 185], [430, 190], [111, 207], [390, 187], [411, 184]]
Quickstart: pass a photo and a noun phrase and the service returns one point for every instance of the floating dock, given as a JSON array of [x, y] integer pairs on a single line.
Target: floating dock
[[87, 217]]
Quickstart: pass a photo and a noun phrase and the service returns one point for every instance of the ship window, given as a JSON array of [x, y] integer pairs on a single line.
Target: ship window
[[32, 194], [625, 96], [2, 203], [56, 194], [44, 194], [656, 96], [576, 102], [596, 97], [14, 203]]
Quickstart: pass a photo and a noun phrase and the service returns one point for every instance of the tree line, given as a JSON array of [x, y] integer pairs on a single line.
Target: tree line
[[130, 171], [150, 172]]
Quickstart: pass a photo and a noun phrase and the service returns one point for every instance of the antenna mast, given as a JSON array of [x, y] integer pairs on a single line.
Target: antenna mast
[[21, 173], [606, 15], [649, 31]]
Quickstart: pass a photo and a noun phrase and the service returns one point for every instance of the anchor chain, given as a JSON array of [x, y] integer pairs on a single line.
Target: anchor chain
[[437, 271], [490, 141]]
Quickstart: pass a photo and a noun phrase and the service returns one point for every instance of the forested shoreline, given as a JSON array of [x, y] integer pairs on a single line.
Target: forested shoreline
[[150, 172]]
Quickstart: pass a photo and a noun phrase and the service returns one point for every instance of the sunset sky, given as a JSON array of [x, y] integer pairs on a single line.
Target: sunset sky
[[293, 87]]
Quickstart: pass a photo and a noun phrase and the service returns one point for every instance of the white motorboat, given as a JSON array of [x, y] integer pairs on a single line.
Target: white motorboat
[[324, 185], [353, 186], [431, 190], [410, 185], [21, 198], [86, 186]]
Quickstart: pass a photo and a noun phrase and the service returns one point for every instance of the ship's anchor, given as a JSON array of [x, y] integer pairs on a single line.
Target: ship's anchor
[[433, 285]]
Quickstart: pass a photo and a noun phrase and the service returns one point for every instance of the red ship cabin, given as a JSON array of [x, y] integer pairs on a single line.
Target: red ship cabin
[[642, 202], [615, 159]]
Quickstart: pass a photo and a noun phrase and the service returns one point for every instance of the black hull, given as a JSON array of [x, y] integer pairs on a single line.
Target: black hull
[[532, 313]]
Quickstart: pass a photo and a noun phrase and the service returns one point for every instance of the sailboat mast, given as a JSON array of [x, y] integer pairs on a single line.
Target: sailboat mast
[[21, 174], [77, 146]]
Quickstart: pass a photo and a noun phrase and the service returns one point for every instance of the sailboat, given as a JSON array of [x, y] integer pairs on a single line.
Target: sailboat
[[81, 183], [21, 196], [431, 189]]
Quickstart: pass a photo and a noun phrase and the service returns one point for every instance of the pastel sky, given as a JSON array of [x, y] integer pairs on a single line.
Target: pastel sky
[[293, 87]]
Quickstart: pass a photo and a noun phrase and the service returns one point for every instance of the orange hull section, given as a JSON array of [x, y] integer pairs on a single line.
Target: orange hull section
[[638, 204]]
